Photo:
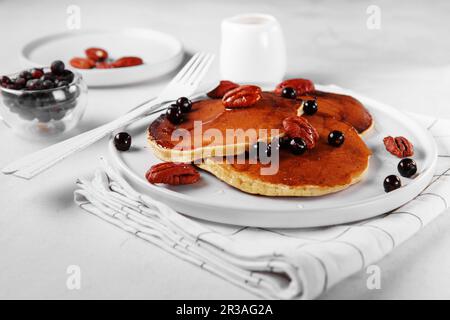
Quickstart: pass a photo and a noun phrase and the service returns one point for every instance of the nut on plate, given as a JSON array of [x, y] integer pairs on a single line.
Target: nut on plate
[[399, 146], [301, 86], [299, 127], [223, 87], [172, 173], [82, 63], [96, 54], [242, 96], [127, 62]]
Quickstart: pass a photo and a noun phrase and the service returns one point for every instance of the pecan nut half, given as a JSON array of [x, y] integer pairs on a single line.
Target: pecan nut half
[[399, 146], [82, 63], [172, 173], [223, 87], [96, 54], [301, 86], [299, 127], [127, 62], [242, 96]]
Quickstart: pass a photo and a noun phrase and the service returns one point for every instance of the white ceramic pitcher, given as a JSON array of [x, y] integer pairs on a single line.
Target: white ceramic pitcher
[[252, 49]]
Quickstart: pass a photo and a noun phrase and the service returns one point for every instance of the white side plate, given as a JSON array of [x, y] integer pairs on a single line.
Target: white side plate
[[161, 53], [213, 200]]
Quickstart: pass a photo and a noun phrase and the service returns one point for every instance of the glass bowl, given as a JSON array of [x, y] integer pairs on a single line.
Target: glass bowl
[[36, 114]]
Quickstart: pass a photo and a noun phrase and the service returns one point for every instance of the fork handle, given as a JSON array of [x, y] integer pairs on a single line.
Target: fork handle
[[37, 162]]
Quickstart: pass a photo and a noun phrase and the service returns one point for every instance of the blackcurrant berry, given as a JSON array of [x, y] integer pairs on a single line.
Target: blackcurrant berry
[[297, 146], [37, 73], [289, 93], [66, 75], [25, 75], [310, 107], [57, 67], [5, 80], [122, 141], [174, 114], [257, 149], [34, 84], [391, 183], [284, 141], [336, 138], [185, 104], [407, 167], [20, 83], [47, 84], [48, 76]]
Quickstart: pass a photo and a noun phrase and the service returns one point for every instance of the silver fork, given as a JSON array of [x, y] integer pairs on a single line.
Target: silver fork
[[183, 84]]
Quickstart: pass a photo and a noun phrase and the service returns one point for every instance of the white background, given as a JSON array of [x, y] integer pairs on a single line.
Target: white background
[[406, 64]]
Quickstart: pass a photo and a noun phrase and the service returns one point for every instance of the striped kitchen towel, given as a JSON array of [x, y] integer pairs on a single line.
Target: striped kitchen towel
[[272, 263]]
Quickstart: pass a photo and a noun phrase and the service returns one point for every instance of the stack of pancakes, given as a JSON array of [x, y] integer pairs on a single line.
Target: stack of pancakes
[[321, 170]]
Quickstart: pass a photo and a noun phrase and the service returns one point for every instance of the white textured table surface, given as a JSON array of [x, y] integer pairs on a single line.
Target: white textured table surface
[[42, 232]]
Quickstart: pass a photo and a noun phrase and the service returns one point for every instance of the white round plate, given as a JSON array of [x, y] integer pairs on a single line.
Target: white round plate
[[161, 53], [212, 199]]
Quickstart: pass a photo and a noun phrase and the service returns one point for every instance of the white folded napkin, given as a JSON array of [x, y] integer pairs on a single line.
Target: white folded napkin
[[272, 263]]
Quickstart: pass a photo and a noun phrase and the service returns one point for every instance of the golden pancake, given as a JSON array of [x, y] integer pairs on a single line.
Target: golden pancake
[[322, 170], [267, 114]]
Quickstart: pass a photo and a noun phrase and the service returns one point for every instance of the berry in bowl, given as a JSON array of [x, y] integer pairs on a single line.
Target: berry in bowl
[[42, 102]]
